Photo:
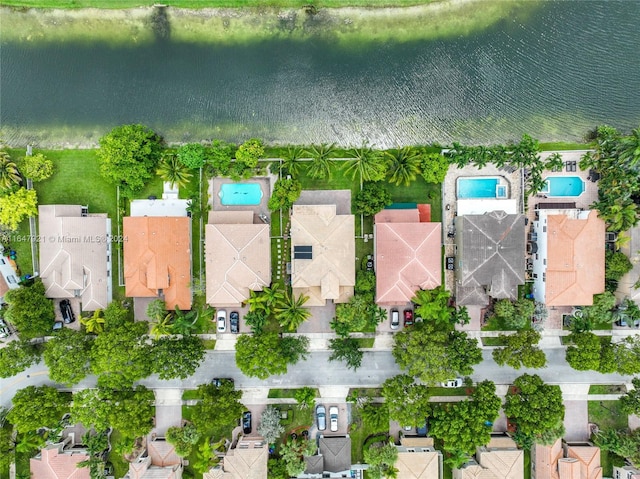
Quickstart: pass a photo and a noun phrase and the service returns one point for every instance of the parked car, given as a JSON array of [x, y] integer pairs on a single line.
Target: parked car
[[369, 263], [321, 417], [423, 429], [67, 312], [222, 320], [333, 418], [246, 422], [452, 383], [408, 317], [395, 319], [234, 321], [622, 322], [217, 382]]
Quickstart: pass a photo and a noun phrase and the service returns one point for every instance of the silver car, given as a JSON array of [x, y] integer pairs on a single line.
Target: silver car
[[333, 418], [321, 416]]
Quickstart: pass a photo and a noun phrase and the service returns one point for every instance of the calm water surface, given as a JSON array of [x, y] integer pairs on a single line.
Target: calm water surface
[[573, 65]]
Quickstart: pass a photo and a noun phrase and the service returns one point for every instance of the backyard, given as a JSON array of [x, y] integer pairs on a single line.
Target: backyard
[[607, 415]]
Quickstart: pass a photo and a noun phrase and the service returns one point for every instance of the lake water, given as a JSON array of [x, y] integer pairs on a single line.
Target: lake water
[[571, 66]]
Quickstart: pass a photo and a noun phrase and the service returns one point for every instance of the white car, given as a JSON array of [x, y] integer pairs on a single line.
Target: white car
[[321, 415], [395, 319], [333, 418], [452, 383], [222, 320]]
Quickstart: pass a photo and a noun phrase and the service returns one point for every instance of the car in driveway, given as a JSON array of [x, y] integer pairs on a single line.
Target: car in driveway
[[333, 418], [321, 417], [246, 422], [423, 429], [234, 322], [67, 312], [452, 383], [395, 319], [221, 316], [408, 317]]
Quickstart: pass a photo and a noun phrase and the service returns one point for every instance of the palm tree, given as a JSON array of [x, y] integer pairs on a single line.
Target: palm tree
[[404, 165], [173, 171], [291, 164], [620, 217], [184, 322], [630, 148], [271, 297], [321, 164], [366, 165], [256, 302], [161, 326], [291, 313], [94, 324], [29, 442], [9, 174]]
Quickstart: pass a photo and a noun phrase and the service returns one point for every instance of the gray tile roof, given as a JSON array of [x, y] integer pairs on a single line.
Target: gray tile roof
[[336, 452]]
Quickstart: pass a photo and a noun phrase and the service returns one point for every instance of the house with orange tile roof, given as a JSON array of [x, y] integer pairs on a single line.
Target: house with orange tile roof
[[418, 459], [408, 255], [500, 459], [56, 462], [157, 259], [75, 260], [544, 460], [625, 472], [323, 252], [568, 256], [563, 460], [248, 460], [159, 461], [237, 257], [490, 251]]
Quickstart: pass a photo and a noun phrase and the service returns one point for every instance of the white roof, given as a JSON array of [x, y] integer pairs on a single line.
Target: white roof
[[480, 206]]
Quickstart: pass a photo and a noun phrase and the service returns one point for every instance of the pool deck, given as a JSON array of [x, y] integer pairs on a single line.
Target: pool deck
[[216, 204]]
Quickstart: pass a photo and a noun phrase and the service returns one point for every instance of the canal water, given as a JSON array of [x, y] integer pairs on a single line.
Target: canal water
[[570, 66]]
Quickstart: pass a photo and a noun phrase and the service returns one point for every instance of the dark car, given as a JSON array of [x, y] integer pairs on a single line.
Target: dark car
[[246, 422], [67, 312], [217, 382], [423, 429], [369, 263], [408, 317], [234, 321]]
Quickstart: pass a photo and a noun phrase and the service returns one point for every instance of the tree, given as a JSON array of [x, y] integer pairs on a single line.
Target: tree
[[256, 320], [630, 402], [554, 162], [407, 401], [267, 300], [270, 427], [616, 265], [7, 448], [177, 357], [9, 174], [219, 160], [305, 397], [366, 164], [173, 171], [17, 356], [433, 305], [120, 355], [285, 192], [192, 155], [249, 153], [463, 352], [184, 322], [534, 406], [357, 314], [29, 310], [128, 156], [365, 282], [36, 167], [161, 325], [115, 315], [321, 164], [371, 199], [265, 354], [434, 167], [67, 356], [625, 444], [277, 469], [93, 324], [514, 315], [36, 407], [520, 350], [627, 353], [584, 352], [381, 458], [601, 311], [403, 164], [347, 350], [218, 411], [291, 312], [376, 415], [183, 438], [16, 206], [292, 453], [129, 410], [291, 164]]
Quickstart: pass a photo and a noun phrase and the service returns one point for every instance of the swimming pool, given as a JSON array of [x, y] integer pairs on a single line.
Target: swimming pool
[[481, 187], [240, 194], [558, 186]]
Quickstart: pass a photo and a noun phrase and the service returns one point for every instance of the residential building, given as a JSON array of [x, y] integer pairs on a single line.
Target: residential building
[[418, 459], [237, 256], [332, 461], [248, 460], [626, 472], [500, 459], [9, 278], [568, 247], [490, 257], [408, 255], [566, 461], [75, 255], [322, 254], [58, 461], [159, 461], [157, 259]]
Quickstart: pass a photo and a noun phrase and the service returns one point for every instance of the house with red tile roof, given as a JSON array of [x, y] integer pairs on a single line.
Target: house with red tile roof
[[248, 460], [500, 459], [568, 262], [408, 255], [562, 460], [160, 461], [418, 459], [56, 462]]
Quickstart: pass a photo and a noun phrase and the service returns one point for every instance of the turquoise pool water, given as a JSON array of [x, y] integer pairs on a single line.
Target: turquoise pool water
[[240, 194], [558, 186], [477, 187]]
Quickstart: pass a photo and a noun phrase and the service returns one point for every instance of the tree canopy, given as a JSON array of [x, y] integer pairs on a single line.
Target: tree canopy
[[630, 402], [265, 354], [218, 411], [249, 153], [381, 458], [269, 426], [16, 206], [434, 167], [67, 356], [192, 155], [17, 356], [520, 350], [176, 357], [36, 167], [407, 401], [128, 157], [36, 407], [371, 199], [285, 192], [347, 350], [29, 310]]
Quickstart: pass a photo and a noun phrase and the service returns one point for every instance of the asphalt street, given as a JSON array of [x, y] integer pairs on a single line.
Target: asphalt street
[[316, 370]]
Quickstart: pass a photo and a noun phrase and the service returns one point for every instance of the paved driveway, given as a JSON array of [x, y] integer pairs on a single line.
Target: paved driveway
[[576, 421], [168, 410]]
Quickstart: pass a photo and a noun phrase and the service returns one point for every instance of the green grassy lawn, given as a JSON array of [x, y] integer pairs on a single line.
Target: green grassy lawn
[[439, 391], [113, 4], [284, 393], [337, 180], [607, 389], [191, 394], [492, 342], [607, 415], [120, 466], [209, 344], [359, 431], [527, 464], [562, 145], [419, 191], [365, 342]]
